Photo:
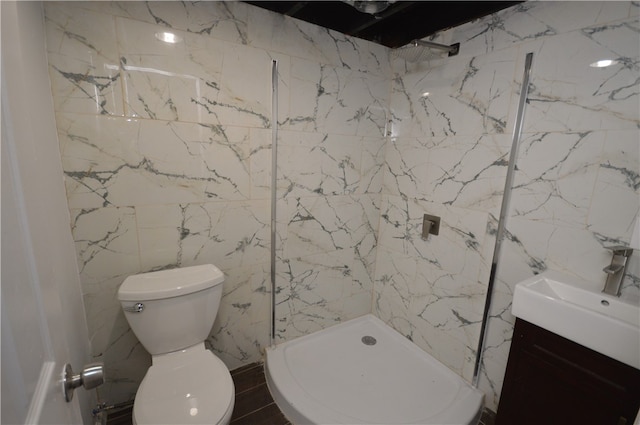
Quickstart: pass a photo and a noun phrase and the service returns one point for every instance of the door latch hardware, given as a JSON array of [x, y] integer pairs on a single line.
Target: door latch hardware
[[91, 376]]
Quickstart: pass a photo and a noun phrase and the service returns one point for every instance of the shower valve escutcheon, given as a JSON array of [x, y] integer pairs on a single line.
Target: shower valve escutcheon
[[430, 226]]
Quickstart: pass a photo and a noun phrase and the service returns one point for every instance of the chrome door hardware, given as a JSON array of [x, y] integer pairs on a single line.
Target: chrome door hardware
[[91, 376], [136, 308]]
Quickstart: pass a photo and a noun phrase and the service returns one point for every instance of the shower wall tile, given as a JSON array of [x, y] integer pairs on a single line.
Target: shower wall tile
[[433, 290], [556, 176], [372, 165], [569, 95], [326, 259], [327, 224], [458, 247], [406, 166], [454, 96], [467, 171], [316, 163], [336, 99], [528, 21], [575, 189], [438, 310]]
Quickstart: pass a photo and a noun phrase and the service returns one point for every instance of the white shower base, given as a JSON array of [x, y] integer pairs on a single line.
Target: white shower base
[[332, 377]]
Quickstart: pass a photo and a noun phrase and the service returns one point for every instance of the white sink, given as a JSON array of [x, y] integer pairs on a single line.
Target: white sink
[[567, 307]]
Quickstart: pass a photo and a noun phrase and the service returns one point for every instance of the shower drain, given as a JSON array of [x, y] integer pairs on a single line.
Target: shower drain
[[368, 340]]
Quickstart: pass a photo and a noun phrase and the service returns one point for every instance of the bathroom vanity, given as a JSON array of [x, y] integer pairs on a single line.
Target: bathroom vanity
[[553, 380]]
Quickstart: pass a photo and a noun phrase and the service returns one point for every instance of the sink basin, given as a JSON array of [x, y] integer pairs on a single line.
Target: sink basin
[[568, 307]]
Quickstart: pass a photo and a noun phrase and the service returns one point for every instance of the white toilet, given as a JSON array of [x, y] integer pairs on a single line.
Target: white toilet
[[172, 312]]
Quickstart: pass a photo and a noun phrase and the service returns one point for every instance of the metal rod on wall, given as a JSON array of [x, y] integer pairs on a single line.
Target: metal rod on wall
[[274, 165], [504, 208]]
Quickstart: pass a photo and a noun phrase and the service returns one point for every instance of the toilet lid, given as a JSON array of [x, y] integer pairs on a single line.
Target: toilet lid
[[184, 388]]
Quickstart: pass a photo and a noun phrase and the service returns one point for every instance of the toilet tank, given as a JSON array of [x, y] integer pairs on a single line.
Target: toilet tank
[[170, 310]]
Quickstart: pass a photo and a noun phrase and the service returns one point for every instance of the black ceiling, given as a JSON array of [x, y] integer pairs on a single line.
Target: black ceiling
[[400, 23]]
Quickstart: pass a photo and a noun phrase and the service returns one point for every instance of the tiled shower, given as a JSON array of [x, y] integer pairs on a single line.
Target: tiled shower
[[166, 149]]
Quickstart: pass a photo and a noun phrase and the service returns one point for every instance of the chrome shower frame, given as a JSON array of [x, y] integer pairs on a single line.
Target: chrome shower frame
[[504, 208], [274, 177]]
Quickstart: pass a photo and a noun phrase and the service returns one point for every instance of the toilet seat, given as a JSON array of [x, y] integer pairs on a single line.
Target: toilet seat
[[191, 386]]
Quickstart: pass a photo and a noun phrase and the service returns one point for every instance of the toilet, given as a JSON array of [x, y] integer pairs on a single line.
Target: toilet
[[172, 312]]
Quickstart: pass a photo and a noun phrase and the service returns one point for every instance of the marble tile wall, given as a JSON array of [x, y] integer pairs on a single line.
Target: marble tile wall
[[446, 157], [576, 188], [166, 151], [167, 155]]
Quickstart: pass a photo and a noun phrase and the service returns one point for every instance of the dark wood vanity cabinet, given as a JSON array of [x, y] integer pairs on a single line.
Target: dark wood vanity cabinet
[[551, 380]]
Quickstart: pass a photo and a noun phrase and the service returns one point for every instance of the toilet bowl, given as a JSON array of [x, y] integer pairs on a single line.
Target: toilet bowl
[[172, 312]]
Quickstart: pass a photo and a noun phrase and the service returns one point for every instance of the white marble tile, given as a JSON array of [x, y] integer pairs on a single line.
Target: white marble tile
[[199, 79], [227, 234], [372, 162], [106, 243], [246, 88], [555, 177], [566, 94], [314, 164], [405, 167], [339, 100], [194, 159], [533, 20], [326, 224], [241, 330], [395, 277], [220, 19], [300, 322], [215, 156], [83, 60], [94, 149], [458, 247], [455, 96], [616, 198], [631, 284], [110, 161], [467, 172]]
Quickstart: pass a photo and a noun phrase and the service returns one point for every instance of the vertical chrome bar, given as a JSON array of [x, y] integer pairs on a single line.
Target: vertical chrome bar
[[504, 209], [274, 175]]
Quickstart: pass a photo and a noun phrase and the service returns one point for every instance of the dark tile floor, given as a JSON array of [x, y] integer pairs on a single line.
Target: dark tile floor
[[254, 404]]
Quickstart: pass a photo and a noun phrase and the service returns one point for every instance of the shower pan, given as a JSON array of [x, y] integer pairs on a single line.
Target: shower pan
[[364, 372]]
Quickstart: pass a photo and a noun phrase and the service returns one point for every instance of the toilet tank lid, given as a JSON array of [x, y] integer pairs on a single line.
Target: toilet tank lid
[[169, 283]]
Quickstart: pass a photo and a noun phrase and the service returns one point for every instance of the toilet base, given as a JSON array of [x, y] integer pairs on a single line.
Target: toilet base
[[190, 386]]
